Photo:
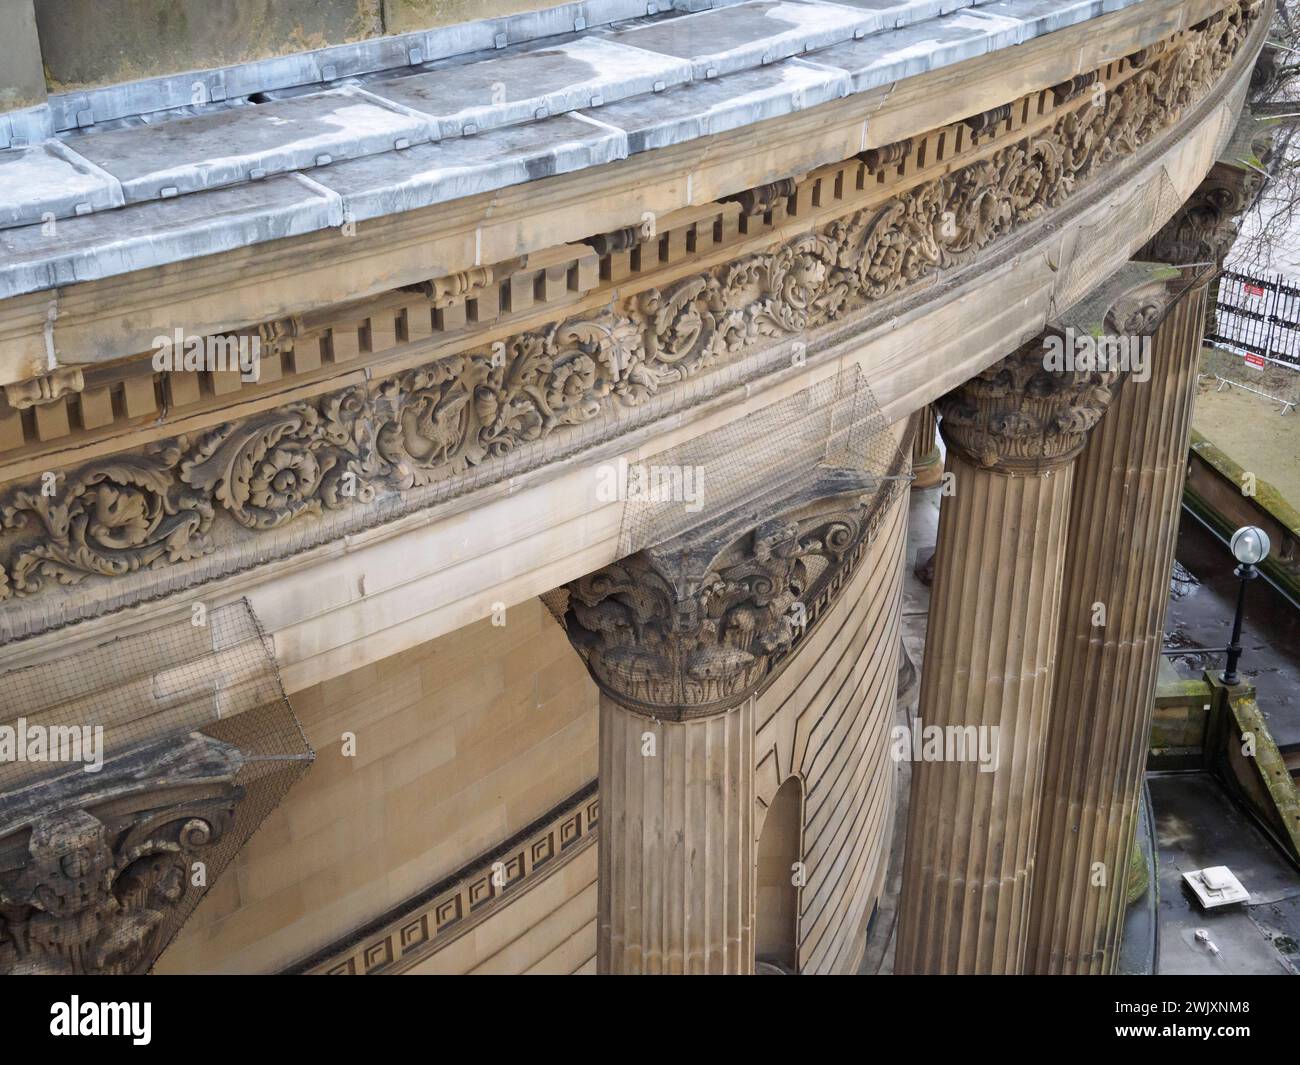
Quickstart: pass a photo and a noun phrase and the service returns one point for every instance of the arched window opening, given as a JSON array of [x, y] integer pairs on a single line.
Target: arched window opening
[[780, 875]]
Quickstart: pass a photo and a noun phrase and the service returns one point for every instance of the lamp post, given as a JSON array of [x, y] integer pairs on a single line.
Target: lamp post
[[1249, 546]]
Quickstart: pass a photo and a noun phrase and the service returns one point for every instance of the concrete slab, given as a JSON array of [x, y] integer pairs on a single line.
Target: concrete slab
[[50, 181], [588, 72], [116, 242], [751, 34], [435, 173], [250, 142], [707, 107]]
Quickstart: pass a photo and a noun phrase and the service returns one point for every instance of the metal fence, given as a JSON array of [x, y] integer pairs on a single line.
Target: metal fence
[[1256, 316]]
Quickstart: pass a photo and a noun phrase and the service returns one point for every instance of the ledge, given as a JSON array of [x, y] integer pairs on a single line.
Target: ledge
[[380, 144]]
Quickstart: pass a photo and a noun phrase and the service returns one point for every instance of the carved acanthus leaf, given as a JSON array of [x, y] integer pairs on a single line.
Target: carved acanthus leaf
[[698, 624], [95, 875]]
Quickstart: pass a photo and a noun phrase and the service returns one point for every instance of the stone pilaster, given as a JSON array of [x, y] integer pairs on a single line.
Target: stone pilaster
[[680, 638], [927, 460], [1012, 434], [1124, 513]]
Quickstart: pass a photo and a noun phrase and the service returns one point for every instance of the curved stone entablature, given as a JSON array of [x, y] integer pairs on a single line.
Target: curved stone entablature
[[259, 241], [698, 624], [879, 227]]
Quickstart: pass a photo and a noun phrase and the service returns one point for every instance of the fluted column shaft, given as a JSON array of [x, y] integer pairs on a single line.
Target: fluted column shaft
[[927, 460], [1124, 512], [1012, 433], [676, 887], [989, 654]]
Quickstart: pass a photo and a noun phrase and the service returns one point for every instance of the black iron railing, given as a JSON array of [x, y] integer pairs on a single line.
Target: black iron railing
[[1257, 316]]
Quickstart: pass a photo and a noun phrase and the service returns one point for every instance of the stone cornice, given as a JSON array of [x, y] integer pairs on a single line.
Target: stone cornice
[[101, 320], [802, 284]]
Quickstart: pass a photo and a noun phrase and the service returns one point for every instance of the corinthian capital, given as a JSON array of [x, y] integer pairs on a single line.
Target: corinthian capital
[[97, 870], [1028, 412], [697, 624], [1204, 228]]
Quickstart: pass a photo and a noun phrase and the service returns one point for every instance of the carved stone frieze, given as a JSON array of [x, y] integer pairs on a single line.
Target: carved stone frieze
[[96, 871], [696, 625], [168, 502]]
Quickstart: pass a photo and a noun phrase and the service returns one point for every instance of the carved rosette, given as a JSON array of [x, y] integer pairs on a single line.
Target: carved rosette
[[1020, 417], [695, 626], [163, 504], [96, 876]]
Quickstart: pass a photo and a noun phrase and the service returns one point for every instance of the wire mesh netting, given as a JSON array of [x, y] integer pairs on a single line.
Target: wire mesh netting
[[757, 460], [142, 764], [753, 465]]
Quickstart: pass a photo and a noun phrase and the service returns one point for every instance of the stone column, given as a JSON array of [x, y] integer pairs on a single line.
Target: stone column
[[676, 888], [680, 638], [927, 461], [1123, 530], [1012, 434]]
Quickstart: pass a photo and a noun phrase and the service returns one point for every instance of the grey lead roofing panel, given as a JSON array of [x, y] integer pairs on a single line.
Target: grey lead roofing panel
[[158, 176], [100, 245], [435, 173], [250, 142], [707, 107], [750, 34], [878, 61], [586, 72], [48, 181]]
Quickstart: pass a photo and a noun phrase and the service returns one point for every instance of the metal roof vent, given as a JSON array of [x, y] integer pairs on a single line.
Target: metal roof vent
[[1215, 887]]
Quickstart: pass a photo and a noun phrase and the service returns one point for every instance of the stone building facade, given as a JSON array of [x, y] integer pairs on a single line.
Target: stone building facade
[[339, 328]]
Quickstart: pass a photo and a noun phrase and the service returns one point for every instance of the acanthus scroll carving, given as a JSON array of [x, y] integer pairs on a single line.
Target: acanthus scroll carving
[[167, 503], [95, 878], [1021, 416]]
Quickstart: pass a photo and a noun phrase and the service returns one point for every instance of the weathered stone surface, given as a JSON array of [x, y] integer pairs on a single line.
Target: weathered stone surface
[[200, 140], [693, 626]]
